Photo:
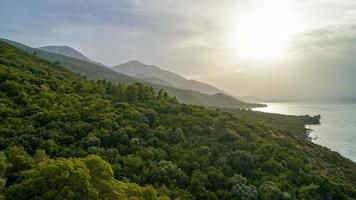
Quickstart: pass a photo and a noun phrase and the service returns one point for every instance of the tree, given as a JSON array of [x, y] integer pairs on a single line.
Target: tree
[[91, 140], [3, 166], [308, 192], [270, 190], [76, 179], [177, 136], [198, 182], [241, 190], [55, 179], [19, 160], [168, 173], [50, 146]]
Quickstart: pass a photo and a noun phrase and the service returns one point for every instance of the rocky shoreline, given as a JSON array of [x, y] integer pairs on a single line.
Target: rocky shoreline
[[308, 120]]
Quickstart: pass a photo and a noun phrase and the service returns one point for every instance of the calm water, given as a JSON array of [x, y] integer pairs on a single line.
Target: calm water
[[337, 130]]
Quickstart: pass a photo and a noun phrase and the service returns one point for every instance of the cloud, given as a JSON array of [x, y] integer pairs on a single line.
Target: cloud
[[191, 38], [336, 39], [322, 65], [79, 12]]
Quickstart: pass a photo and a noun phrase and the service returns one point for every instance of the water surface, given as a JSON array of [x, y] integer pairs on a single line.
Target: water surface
[[337, 130]]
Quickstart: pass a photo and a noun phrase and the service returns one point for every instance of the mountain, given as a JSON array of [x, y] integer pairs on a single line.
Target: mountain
[[97, 72], [66, 51], [63, 136], [251, 99], [214, 100], [155, 74], [88, 69]]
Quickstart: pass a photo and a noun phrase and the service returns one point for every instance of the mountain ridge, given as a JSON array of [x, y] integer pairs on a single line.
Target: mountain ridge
[[65, 50], [90, 70], [97, 72], [144, 71]]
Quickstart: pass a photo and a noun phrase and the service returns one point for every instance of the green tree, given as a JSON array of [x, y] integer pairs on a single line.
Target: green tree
[[270, 190], [19, 160], [3, 167], [241, 190], [168, 173], [76, 179], [55, 179]]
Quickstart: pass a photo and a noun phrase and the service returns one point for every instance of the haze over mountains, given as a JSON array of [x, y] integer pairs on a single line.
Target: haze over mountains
[[162, 77], [67, 51], [157, 75], [143, 71], [96, 71]]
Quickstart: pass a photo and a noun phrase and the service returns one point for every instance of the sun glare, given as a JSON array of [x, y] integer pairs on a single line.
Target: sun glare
[[265, 32]]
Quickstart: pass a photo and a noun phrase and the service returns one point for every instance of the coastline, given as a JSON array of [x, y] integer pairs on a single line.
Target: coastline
[[308, 132], [335, 131], [311, 120]]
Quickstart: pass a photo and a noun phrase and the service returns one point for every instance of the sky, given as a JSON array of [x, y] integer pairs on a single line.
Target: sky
[[272, 49]]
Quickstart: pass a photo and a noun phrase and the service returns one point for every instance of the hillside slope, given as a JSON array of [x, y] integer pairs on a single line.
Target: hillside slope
[[215, 100], [66, 51], [90, 70], [150, 73], [184, 152], [96, 72]]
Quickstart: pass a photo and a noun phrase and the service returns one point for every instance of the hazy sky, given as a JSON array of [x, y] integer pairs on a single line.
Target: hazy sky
[[273, 49]]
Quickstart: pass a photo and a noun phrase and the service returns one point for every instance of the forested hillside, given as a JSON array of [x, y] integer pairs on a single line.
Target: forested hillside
[[97, 72], [291, 124], [90, 70], [65, 137]]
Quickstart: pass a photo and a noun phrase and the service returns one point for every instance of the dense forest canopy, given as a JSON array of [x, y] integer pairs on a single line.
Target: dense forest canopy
[[65, 137], [291, 124]]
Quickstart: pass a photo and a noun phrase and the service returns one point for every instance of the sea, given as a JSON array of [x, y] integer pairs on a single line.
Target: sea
[[337, 128]]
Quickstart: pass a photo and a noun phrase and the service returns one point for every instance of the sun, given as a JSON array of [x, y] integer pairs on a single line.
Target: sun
[[264, 33]]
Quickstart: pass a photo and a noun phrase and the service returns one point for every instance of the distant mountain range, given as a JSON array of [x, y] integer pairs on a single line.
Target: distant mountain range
[[158, 75], [142, 71], [90, 70], [251, 99], [96, 71], [67, 51]]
